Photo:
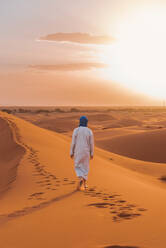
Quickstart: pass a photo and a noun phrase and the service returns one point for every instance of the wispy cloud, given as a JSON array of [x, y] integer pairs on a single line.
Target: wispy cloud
[[70, 67], [80, 38]]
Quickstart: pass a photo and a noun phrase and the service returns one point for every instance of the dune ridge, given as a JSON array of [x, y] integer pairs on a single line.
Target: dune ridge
[[11, 154], [29, 168]]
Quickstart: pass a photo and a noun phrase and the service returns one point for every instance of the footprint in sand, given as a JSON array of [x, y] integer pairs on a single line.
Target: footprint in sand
[[119, 207], [40, 182], [91, 190], [121, 201], [105, 199], [36, 196], [113, 212], [98, 193], [142, 209], [99, 204], [126, 215]]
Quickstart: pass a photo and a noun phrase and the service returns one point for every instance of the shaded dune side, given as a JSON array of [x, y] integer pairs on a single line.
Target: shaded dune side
[[10, 156], [147, 146]]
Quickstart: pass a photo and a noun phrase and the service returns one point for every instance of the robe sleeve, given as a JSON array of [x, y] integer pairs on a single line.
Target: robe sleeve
[[73, 143], [91, 144]]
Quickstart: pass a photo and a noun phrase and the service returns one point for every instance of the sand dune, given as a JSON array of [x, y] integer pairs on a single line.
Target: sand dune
[[10, 156], [146, 146], [113, 132], [42, 209]]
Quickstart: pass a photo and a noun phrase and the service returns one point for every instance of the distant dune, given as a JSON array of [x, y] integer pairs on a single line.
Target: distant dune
[[146, 146]]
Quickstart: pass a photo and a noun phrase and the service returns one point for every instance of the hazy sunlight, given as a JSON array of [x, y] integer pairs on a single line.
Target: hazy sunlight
[[138, 57]]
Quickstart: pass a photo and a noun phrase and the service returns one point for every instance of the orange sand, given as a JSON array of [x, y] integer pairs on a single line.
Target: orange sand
[[42, 209], [146, 146]]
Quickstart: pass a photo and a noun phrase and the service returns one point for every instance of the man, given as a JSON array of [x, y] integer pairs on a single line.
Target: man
[[82, 149]]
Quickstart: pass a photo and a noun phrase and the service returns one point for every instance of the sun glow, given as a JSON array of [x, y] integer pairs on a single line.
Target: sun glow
[[138, 59]]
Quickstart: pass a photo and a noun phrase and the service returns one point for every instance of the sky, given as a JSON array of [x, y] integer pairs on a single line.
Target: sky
[[58, 52]]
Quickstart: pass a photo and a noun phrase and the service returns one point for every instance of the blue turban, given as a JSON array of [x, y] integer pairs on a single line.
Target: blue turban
[[83, 121]]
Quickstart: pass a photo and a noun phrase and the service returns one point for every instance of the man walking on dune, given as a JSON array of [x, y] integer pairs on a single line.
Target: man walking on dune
[[82, 149]]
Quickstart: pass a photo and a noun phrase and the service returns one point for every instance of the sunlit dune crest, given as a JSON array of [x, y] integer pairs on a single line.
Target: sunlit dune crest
[[69, 67], [83, 38]]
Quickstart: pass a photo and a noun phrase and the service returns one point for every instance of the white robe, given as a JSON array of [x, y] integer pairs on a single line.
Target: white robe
[[82, 147]]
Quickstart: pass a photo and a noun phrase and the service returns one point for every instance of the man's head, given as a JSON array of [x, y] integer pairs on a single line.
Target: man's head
[[83, 121]]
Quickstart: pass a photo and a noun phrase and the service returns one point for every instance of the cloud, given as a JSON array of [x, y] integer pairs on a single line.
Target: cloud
[[70, 67], [81, 38]]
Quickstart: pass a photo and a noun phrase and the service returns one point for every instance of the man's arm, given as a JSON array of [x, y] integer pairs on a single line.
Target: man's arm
[[91, 145], [73, 144]]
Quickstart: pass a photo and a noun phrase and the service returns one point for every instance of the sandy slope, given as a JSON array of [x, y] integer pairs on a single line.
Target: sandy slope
[[43, 209], [10, 156], [146, 146]]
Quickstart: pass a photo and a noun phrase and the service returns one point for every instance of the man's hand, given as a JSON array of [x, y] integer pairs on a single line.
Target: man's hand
[[71, 155]]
